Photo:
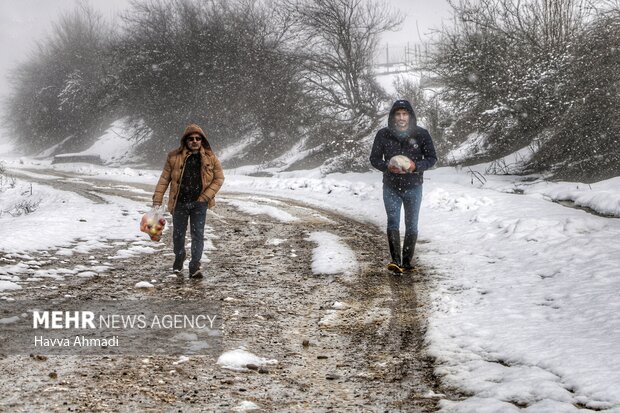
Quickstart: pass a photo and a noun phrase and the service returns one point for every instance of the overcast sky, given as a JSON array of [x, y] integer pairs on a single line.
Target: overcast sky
[[22, 22]]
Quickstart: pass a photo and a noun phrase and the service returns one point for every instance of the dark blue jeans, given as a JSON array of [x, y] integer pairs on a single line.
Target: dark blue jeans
[[393, 199], [196, 213]]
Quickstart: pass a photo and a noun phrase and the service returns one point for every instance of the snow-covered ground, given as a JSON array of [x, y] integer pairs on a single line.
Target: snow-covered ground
[[524, 303]]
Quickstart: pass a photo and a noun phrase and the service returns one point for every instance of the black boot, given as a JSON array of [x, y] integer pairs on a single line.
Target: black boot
[[177, 266], [194, 270], [408, 250], [394, 242]]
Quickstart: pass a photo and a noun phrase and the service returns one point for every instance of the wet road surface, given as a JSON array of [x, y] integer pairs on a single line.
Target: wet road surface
[[364, 354]]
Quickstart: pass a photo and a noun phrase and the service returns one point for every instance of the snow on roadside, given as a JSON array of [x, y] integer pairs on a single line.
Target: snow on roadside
[[9, 286], [524, 303], [135, 250], [60, 218], [332, 255], [246, 406], [602, 197], [253, 208], [238, 360]]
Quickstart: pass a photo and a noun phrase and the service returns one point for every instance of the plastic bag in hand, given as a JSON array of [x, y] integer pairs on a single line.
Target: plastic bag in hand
[[153, 223]]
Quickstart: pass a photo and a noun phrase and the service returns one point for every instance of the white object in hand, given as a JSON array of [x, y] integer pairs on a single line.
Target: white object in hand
[[401, 162]]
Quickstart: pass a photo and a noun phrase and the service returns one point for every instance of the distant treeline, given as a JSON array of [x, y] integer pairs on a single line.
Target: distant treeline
[[277, 72], [509, 74]]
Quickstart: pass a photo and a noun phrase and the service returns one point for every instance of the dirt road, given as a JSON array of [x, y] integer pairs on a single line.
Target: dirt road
[[361, 355]]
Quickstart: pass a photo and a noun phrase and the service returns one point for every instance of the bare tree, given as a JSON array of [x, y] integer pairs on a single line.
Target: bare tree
[[543, 24], [337, 41]]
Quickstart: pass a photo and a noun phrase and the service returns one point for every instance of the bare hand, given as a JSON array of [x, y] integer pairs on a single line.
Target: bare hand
[[412, 167], [395, 169]]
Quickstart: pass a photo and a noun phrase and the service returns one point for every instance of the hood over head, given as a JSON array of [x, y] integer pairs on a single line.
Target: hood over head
[[193, 128], [402, 104]]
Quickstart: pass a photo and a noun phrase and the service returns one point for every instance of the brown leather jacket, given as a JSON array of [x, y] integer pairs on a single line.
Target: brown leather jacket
[[211, 172]]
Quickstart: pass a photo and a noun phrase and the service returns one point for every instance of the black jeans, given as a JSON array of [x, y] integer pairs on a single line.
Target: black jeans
[[196, 213]]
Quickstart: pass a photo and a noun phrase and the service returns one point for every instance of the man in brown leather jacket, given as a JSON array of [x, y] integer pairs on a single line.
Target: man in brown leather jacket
[[195, 175]]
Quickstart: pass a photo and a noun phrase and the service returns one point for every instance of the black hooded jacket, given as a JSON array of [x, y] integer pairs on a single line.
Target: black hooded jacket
[[415, 143]]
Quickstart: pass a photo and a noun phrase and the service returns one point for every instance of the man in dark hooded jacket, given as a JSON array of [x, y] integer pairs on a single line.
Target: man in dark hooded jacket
[[402, 186]]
